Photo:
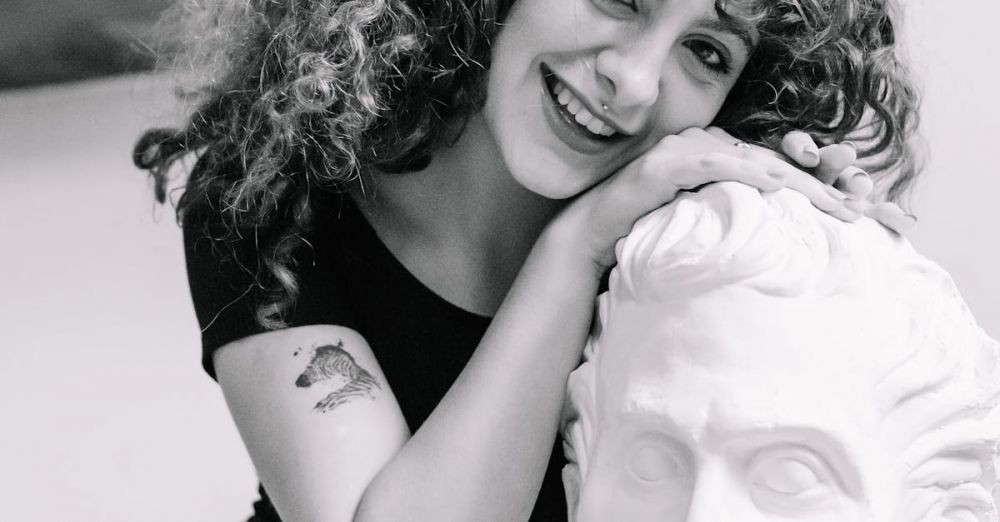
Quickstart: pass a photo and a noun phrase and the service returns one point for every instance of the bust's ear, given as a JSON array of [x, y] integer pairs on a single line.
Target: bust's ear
[[577, 436], [954, 464], [578, 425], [571, 483]]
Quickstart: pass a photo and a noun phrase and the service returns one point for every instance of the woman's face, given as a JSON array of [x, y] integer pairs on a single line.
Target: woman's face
[[578, 88]]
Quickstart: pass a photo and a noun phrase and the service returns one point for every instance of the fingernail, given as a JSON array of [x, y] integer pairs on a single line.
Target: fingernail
[[906, 225], [858, 182], [810, 151], [850, 144]]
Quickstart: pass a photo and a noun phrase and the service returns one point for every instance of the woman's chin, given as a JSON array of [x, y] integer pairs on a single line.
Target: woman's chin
[[562, 190], [553, 181]]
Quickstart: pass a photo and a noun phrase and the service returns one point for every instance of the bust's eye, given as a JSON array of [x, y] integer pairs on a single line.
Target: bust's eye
[[656, 463], [789, 480], [788, 476]]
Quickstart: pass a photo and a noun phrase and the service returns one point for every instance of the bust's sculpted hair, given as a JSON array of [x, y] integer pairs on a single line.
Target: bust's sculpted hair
[[293, 99], [779, 245]]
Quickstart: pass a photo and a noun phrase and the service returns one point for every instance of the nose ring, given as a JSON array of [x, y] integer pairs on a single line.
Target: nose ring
[[604, 107]]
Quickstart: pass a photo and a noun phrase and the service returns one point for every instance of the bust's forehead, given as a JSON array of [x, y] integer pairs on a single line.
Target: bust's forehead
[[765, 289], [730, 276], [728, 234], [761, 350], [737, 326]]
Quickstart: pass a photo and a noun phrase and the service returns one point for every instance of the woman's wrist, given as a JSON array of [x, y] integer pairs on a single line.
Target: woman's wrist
[[566, 242]]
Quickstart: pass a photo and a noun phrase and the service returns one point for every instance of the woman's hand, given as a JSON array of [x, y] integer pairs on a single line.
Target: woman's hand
[[684, 161], [834, 165]]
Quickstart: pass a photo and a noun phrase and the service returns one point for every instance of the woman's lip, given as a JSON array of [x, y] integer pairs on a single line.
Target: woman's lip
[[587, 103], [565, 127], [569, 132]]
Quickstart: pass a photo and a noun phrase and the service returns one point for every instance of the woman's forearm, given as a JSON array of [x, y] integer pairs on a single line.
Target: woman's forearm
[[482, 453]]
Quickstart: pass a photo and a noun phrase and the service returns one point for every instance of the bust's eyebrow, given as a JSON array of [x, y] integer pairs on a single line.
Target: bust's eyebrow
[[843, 462]]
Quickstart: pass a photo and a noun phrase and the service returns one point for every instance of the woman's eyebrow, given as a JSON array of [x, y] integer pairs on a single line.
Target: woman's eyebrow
[[740, 30]]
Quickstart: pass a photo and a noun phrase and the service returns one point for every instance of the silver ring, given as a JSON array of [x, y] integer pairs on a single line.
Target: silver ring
[[742, 145]]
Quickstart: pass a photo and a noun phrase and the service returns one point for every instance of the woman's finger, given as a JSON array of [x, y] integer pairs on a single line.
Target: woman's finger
[[657, 178], [662, 173], [833, 159], [823, 196], [665, 175], [892, 217], [801, 148], [854, 182], [727, 139]]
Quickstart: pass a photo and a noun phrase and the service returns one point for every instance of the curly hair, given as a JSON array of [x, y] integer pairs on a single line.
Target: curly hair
[[292, 99], [830, 68]]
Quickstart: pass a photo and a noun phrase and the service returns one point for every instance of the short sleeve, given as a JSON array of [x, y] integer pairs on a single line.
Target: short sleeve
[[222, 278]]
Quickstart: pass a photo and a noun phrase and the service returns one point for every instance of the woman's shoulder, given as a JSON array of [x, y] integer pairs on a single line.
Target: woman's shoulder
[[227, 277]]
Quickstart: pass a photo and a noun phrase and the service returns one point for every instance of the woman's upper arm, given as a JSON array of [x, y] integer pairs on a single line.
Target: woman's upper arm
[[316, 415]]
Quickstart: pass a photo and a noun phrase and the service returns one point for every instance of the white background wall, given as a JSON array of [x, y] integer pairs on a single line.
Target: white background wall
[[105, 414], [956, 52]]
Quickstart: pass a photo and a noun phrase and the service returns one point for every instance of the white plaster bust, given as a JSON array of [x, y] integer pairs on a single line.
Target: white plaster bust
[[757, 360]]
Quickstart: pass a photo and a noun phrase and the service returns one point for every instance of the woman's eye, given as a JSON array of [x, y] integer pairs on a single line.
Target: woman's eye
[[709, 55], [631, 5]]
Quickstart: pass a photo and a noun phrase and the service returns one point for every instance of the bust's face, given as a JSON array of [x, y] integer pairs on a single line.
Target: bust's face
[[745, 407]]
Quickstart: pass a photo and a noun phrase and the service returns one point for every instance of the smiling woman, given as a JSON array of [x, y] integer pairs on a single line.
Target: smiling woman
[[646, 71], [425, 197]]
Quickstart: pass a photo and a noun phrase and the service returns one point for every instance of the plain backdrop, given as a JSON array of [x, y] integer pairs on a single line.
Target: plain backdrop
[[105, 414]]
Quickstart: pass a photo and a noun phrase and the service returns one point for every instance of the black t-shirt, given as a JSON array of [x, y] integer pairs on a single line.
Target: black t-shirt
[[348, 277]]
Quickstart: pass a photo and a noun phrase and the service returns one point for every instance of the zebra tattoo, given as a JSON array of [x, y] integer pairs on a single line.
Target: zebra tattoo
[[333, 366]]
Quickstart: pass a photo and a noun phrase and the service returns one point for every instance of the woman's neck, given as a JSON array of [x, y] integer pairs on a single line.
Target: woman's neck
[[462, 226]]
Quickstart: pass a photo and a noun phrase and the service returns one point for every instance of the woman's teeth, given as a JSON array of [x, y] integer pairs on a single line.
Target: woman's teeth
[[580, 113]]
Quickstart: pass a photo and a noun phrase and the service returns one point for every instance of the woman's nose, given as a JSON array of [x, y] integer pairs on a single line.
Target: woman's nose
[[630, 75]]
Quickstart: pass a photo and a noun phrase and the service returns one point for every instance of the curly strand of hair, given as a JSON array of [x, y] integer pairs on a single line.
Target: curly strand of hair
[[295, 95], [298, 95], [841, 82], [281, 262]]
